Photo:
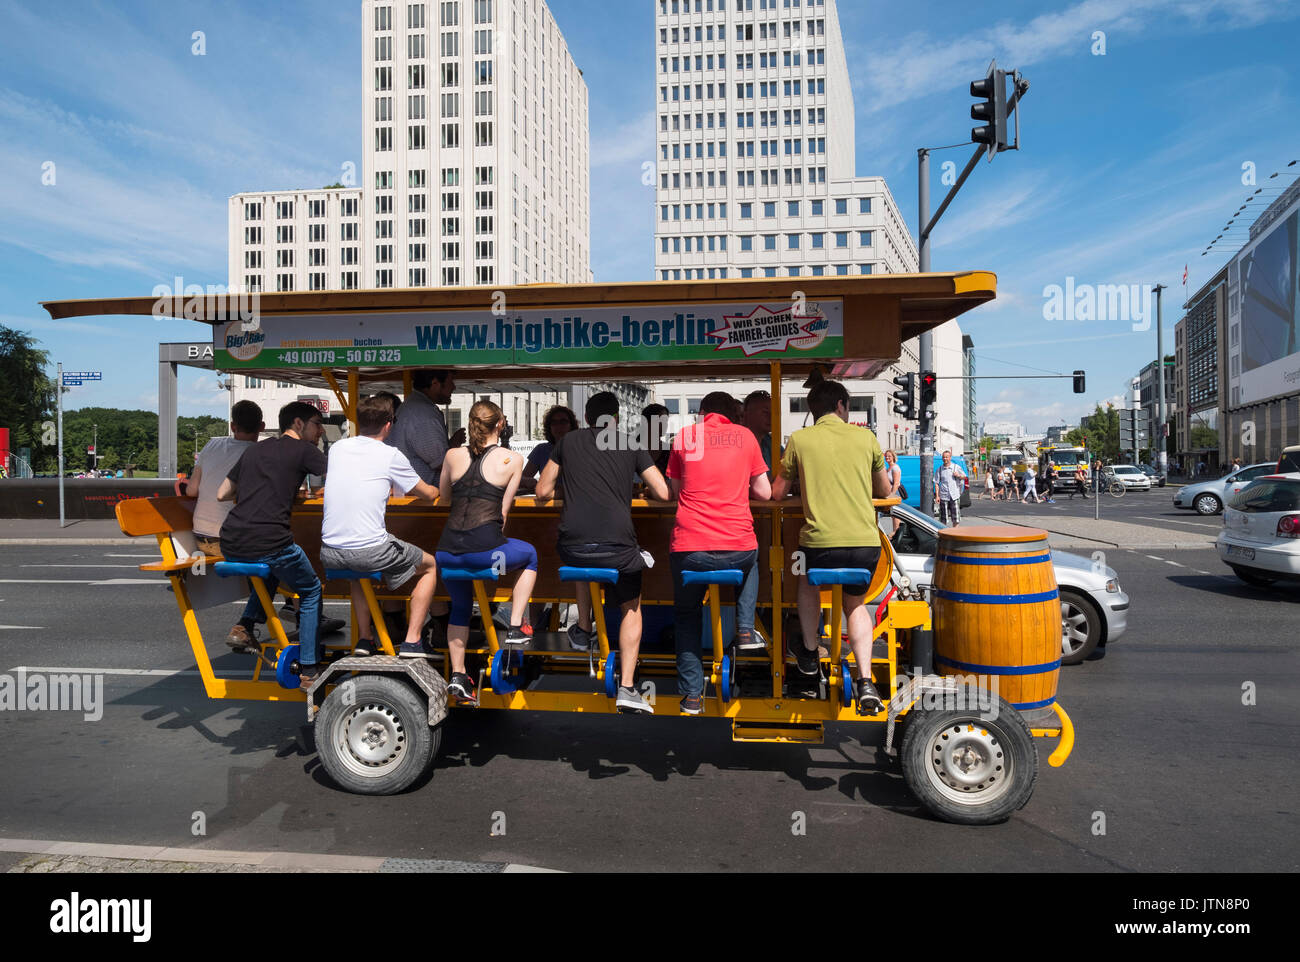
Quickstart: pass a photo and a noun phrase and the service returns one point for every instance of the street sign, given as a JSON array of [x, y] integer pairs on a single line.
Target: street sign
[[71, 383], [82, 376], [90, 449]]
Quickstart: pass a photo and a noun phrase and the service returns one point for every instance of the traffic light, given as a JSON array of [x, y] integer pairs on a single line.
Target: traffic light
[[993, 111], [905, 398], [1079, 382], [929, 393]]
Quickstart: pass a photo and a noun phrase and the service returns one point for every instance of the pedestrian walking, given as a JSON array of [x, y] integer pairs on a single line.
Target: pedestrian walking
[[1030, 490]]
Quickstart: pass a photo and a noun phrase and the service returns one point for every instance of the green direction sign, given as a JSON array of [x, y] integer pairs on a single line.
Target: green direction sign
[[603, 335]]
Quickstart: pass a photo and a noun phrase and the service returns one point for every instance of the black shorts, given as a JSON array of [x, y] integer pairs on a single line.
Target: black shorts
[[628, 586], [866, 558]]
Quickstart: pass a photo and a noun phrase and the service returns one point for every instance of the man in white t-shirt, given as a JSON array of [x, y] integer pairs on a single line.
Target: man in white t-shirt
[[210, 469], [948, 487], [363, 471]]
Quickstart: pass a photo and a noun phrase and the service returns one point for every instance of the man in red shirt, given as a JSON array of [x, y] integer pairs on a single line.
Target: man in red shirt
[[714, 469]]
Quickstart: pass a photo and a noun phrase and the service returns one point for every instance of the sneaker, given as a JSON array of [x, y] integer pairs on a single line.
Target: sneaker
[[809, 661], [693, 705], [520, 636], [242, 639], [327, 626], [580, 640], [415, 649], [309, 675], [869, 702], [630, 701], [462, 686], [365, 647], [747, 639]]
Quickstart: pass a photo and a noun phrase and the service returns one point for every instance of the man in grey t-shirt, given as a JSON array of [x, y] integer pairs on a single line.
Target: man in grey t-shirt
[[420, 431]]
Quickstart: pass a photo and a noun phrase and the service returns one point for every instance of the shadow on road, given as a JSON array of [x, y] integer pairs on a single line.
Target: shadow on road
[[1281, 593]]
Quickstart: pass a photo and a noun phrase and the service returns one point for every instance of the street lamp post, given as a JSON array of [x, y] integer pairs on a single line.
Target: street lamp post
[[1160, 380]]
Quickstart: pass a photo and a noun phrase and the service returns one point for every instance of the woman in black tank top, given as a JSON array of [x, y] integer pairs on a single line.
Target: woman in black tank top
[[474, 536]]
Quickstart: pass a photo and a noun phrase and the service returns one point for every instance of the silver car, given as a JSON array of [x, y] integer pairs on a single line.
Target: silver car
[[1094, 610], [1208, 497]]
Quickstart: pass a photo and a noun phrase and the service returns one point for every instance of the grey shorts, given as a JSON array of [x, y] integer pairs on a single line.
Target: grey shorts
[[395, 559]]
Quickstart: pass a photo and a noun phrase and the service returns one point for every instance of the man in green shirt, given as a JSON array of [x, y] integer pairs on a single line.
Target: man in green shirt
[[840, 468]]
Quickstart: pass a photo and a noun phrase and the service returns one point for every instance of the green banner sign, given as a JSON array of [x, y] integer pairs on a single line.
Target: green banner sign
[[604, 335]]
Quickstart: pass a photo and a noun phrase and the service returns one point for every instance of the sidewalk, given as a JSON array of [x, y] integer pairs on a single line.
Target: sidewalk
[[1083, 533], [37, 856], [46, 531]]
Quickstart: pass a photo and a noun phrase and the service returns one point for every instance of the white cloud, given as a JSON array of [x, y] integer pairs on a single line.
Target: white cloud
[[916, 66], [633, 141]]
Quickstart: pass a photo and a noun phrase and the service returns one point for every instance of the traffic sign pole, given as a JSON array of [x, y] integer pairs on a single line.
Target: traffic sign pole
[[59, 392]]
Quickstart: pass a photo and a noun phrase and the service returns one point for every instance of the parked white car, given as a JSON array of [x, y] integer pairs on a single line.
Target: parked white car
[[1094, 610], [1260, 540], [1132, 477]]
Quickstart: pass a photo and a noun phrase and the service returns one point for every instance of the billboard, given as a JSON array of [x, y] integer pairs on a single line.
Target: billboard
[[1269, 348]]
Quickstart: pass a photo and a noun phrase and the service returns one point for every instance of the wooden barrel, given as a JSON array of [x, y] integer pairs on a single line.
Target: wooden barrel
[[997, 611]]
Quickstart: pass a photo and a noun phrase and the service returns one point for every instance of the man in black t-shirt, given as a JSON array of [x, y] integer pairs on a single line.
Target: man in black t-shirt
[[263, 484], [596, 531]]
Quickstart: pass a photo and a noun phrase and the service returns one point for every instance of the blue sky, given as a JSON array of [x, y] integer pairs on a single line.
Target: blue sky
[[1132, 160]]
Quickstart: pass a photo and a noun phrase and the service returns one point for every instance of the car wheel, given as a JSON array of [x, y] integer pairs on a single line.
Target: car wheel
[[1253, 578], [1080, 628], [1207, 504]]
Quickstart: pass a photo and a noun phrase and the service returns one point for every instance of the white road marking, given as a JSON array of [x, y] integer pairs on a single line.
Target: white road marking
[[90, 564], [151, 672], [21, 628], [1154, 558], [1192, 524], [1175, 564], [56, 581]]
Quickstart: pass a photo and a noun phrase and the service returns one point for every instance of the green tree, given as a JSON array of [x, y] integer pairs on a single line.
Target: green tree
[[1203, 437], [1102, 432], [26, 392]]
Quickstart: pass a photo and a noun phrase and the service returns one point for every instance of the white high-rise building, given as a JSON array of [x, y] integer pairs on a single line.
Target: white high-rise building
[[476, 149], [757, 168], [755, 140], [475, 171]]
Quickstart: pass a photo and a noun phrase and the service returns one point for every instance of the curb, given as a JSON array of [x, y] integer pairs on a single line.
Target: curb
[[287, 861]]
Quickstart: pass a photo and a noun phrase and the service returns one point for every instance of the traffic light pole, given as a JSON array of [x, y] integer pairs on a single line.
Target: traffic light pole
[[925, 225]]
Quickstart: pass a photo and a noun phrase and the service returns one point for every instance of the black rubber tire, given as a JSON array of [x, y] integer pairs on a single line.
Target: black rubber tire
[[930, 733], [399, 710], [1078, 653], [1253, 578], [1206, 504]]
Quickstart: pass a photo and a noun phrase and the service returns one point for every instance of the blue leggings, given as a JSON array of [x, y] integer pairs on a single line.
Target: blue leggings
[[515, 553]]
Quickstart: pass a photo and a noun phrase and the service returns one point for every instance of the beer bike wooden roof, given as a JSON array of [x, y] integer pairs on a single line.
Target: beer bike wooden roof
[[847, 326]]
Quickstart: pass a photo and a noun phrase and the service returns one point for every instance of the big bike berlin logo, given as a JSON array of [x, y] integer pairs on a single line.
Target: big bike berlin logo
[[243, 345]]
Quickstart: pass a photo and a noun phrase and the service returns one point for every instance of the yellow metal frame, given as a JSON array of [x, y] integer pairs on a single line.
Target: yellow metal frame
[[769, 719]]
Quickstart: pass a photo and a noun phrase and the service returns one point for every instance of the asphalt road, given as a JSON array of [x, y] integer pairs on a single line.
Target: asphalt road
[[1185, 776]]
